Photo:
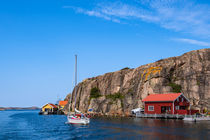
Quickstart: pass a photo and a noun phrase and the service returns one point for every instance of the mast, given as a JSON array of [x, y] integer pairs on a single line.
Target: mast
[[75, 81]]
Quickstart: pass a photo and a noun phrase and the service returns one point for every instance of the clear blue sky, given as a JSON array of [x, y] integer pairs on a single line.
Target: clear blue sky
[[39, 38]]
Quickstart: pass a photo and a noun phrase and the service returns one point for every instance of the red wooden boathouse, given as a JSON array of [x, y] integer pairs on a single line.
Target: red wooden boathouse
[[172, 103]]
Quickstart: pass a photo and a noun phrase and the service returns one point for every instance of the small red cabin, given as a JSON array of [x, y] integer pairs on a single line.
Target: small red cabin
[[172, 103]]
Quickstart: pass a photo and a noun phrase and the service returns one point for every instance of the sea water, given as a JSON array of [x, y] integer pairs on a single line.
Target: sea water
[[28, 125]]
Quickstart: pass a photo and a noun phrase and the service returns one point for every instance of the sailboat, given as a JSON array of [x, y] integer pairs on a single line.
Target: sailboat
[[78, 117]]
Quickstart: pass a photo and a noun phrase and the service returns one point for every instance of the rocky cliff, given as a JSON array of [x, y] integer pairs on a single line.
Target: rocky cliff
[[119, 92]]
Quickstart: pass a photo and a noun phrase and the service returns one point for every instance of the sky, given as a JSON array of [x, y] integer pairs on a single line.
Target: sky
[[39, 38]]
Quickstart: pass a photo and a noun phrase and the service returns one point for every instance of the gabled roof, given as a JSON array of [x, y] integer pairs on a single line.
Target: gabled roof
[[62, 103], [52, 105], [161, 97]]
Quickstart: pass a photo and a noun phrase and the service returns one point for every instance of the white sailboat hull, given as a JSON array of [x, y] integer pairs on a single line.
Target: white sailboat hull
[[78, 118], [74, 120]]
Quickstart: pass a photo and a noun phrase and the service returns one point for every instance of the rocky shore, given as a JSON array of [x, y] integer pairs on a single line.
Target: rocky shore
[[117, 93]]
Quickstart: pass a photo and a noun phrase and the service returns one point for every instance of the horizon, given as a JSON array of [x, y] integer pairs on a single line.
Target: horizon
[[39, 39]]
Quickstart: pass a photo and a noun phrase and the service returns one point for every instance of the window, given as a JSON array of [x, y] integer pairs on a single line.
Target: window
[[177, 107], [182, 107], [169, 108], [182, 99], [177, 99], [150, 108]]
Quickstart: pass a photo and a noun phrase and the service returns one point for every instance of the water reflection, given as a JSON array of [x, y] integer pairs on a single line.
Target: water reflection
[[30, 125]]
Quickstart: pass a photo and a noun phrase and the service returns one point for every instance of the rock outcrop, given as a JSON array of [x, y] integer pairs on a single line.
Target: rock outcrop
[[121, 91]]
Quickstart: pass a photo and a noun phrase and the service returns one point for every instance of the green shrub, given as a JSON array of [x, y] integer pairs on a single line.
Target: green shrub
[[198, 82], [115, 96], [122, 104], [111, 102], [95, 93], [175, 87]]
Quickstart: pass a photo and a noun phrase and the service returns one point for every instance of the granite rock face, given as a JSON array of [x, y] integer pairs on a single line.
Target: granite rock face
[[189, 73]]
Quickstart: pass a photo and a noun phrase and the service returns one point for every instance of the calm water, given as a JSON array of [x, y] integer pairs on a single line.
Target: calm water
[[29, 125]]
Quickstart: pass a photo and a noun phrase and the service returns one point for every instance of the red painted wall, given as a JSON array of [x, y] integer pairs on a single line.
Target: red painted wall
[[192, 112], [179, 102], [157, 106]]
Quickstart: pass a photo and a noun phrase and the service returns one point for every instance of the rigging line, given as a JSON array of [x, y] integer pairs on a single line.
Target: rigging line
[[75, 91], [72, 89]]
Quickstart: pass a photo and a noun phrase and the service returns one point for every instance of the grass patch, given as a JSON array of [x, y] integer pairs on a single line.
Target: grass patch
[[115, 96], [175, 87], [122, 104], [111, 102], [198, 82]]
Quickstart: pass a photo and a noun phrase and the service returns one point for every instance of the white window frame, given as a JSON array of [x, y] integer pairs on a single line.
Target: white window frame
[[177, 107], [178, 99], [152, 107], [182, 99]]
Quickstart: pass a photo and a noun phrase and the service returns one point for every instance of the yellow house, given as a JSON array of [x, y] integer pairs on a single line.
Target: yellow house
[[49, 108]]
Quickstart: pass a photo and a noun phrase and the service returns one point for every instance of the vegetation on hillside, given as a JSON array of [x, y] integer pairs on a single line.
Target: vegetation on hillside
[[175, 87], [95, 93], [115, 96]]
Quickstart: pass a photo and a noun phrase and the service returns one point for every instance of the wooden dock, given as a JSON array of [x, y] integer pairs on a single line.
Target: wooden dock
[[164, 116]]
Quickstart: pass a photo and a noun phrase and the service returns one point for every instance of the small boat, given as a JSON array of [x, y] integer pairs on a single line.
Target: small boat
[[78, 117], [76, 120]]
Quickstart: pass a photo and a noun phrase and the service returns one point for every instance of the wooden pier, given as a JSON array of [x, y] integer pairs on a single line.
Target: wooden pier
[[164, 116]]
